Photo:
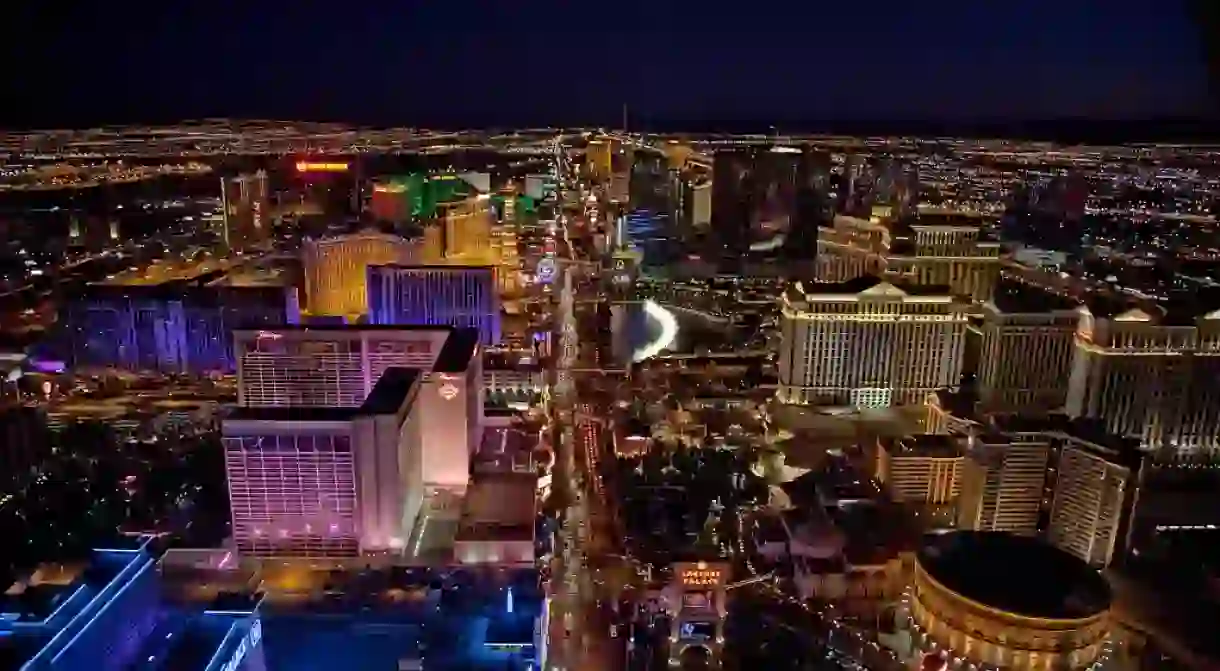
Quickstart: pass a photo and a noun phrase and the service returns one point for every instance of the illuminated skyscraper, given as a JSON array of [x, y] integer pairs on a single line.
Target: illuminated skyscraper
[[676, 154], [246, 209], [463, 296], [1003, 479], [811, 206], [701, 204], [951, 249], [336, 269], [618, 190], [868, 342], [923, 469], [339, 367], [599, 159], [328, 482], [1093, 499], [93, 233], [1026, 348], [171, 327], [753, 197], [507, 255], [391, 201], [467, 229], [1150, 373], [334, 187]]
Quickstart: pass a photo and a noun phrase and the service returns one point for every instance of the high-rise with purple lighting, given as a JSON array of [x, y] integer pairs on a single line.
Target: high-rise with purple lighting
[[462, 296], [328, 482], [170, 327]]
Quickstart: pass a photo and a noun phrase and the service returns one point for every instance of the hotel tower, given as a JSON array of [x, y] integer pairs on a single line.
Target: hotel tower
[[868, 342]]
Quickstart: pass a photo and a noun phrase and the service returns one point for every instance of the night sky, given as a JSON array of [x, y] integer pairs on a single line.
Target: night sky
[[573, 61]]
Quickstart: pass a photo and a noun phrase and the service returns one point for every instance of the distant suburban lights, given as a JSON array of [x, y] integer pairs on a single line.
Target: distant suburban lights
[[309, 166]]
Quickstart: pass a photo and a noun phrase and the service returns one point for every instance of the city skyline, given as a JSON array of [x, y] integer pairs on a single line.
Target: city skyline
[[587, 399]]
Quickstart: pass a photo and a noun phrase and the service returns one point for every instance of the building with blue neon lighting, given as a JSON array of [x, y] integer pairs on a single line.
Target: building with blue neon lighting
[[94, 619], [175, 327], [462, 296], [196, 610], [114, 615]]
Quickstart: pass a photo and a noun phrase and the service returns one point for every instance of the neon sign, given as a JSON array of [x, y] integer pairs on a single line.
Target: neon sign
[[310, 166], [251, 640], [701, 577]]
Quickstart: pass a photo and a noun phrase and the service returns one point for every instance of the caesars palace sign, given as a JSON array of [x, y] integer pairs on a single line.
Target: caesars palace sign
[[701, 575]]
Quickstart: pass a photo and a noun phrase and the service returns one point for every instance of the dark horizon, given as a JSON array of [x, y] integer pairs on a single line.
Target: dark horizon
[[779, 62]]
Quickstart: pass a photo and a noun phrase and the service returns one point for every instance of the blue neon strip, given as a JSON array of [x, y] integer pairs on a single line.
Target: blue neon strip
[[51, 645], [224, 642], [58, 609], [102, 611]]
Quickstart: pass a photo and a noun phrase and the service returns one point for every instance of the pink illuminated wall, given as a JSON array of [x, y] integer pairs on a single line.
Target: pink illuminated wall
[[293, 494]]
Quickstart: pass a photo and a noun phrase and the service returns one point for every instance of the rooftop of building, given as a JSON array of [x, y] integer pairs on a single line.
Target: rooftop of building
[[1122, 450], [169, 271], [1013, 297], [769, 529], [933, 216], [432, 267], [511, 361], [960, 402], [393, 389], [364, 233], [499, 506], [830, 486], [1182, 308], [927, 445], [1015, 574], [208, 290], [812, 526], [189, 640], [865, 285], [460, 348], [40, 595], [505, 449], [254, 277], [1179, 308], [875, 534], [45, 611], [354, 329]]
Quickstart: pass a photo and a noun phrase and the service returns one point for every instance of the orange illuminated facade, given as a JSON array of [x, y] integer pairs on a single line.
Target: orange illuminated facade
[[692, 576], [336, 269], [315, 166], [978, 622]]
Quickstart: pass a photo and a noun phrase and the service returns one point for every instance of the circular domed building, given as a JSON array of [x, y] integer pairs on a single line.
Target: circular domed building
[[995, 600]]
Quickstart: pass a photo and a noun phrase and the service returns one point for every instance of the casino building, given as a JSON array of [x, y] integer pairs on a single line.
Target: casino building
[[462, 296], [697, 607], [991, 600]]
